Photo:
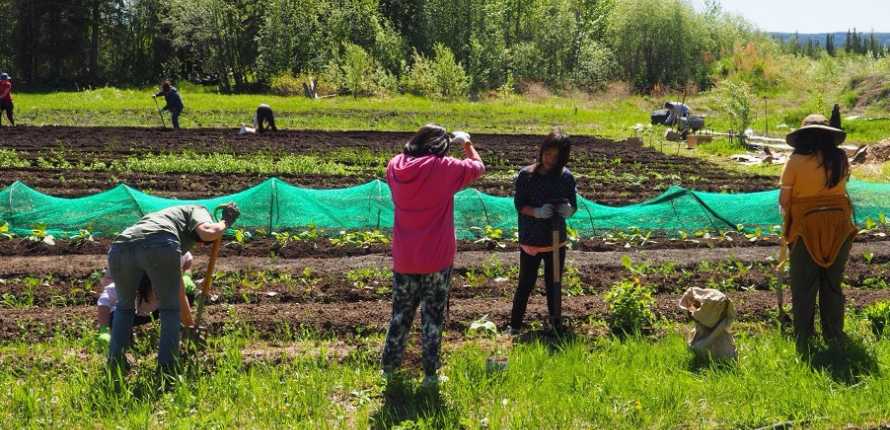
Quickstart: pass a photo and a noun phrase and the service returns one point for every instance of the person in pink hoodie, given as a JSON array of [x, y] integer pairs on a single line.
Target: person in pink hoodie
[[423, 181]]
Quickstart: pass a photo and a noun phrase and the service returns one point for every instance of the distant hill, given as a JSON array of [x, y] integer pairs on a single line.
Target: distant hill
[[839, 38]]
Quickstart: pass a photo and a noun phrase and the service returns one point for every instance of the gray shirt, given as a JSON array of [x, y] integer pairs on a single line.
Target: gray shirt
[[180, 221]]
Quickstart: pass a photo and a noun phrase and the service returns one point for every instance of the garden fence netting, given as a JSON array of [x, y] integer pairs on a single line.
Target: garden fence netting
[[275, 205]]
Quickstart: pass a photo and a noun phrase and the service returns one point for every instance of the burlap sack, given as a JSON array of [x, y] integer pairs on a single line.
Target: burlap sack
[[713, 314]]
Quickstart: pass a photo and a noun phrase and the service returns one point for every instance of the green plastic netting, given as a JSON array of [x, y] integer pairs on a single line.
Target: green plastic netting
[[276, 205]]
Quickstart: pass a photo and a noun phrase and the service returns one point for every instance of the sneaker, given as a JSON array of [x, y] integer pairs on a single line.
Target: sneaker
[[433, 381], [430, 382]]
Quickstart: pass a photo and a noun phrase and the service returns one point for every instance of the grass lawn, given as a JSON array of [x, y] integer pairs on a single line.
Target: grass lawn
[[114, 107], [584, 382]]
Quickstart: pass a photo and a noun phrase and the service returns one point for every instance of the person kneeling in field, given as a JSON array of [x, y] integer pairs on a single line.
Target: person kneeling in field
[[153, 247], [146, 300], [423, 180], [543, 190], [264, 119], [819, 227]]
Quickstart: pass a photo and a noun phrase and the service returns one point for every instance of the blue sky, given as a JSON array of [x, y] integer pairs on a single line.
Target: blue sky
[[811, 16]]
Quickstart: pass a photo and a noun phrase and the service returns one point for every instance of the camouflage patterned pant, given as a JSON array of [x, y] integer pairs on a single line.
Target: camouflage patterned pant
[[409, 291]]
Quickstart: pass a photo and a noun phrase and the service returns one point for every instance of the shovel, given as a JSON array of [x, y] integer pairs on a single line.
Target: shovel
[[204, 295], [556, 292], [160, 112]]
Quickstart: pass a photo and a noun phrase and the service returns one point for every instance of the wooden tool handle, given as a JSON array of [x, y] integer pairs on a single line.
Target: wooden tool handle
[[208, 282], [208, 276], [556, 274]]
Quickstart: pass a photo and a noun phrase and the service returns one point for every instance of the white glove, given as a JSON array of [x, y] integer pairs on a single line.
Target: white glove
[[460, 137], [543, 212], [565, 210]]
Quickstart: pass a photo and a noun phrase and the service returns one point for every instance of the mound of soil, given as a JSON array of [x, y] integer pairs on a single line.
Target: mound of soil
[[875, 154], [871, 90]]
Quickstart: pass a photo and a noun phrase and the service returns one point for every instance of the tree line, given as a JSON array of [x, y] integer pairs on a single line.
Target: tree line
[[854, 43], [449, 47]]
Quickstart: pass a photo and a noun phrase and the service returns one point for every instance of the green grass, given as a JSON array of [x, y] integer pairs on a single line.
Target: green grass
[[116, 107], [580, 383]]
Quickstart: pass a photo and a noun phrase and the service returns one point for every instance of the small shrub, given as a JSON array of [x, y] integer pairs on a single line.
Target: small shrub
[[452, 80], [878, 314], [419, 80], [358, 67], [595, 67], [441, 76], [286, 84], [630, 307], [736, 98]]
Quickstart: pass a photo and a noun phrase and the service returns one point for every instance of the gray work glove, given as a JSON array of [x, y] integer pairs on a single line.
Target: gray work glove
[[565, 210], [543, 212], [230, 213]]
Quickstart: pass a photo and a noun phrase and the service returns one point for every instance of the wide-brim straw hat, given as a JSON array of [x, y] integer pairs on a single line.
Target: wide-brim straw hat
[[813, 128]]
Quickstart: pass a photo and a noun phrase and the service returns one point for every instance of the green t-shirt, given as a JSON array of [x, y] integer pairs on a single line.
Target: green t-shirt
[[181, 221]]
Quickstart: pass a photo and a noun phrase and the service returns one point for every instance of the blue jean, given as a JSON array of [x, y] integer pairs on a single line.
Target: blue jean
[[158, 256], [174, 117]]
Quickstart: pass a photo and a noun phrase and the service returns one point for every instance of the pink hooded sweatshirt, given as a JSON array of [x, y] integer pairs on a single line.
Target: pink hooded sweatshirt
[[423, 189]]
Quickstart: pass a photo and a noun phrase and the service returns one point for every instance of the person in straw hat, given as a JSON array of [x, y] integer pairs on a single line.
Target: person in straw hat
[[819, 229]]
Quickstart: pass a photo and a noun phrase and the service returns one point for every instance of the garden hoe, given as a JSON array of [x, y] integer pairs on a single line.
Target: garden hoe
[[160, 112], [196, 335]]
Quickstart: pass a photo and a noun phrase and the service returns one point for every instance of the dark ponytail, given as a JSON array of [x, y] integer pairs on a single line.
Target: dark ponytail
[[835, 163], [431, 139]]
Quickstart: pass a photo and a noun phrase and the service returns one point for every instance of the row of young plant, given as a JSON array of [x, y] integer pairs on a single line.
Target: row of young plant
[[359, 164], [492, 277], [630, 302], [490, 237], [338, 163]]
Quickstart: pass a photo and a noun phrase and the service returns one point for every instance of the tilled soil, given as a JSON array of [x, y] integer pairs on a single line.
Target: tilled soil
[[367, 317], [609, 172], [58, 287]]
